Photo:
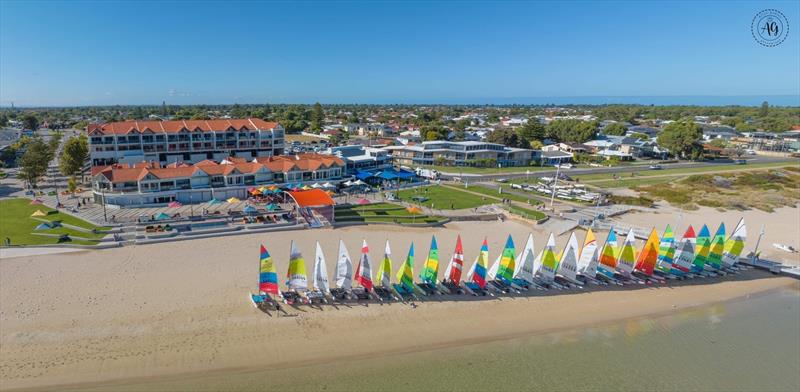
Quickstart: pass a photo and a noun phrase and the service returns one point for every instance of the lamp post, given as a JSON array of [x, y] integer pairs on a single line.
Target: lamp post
[[103, 200], [555, 182]]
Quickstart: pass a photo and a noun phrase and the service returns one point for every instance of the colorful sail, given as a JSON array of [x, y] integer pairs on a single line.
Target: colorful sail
[[405, 275], [344, 268], [525, 262], [587, 263], [717, 247], [608, 258], [735, 244], [702, 247], [548, 270], [430, 272], [384, 276], [320, 271], [478, 272], [568, 266], [267, 276], [666, 251], [684, 256], [296, 274], [364, 268], [627, 254], [507, 261], [453, 272], [646, 262]]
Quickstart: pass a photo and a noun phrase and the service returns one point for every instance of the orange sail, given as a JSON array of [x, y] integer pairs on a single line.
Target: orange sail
[[649, 255]]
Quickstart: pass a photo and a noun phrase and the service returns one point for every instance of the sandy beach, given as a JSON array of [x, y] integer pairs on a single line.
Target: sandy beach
[[108, 317]]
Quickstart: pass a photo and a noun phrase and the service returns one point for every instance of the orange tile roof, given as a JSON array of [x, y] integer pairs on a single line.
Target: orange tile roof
[[125, 127]]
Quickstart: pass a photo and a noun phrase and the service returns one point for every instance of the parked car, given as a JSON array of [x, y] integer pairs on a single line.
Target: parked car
[[739, 162], [655, 167]]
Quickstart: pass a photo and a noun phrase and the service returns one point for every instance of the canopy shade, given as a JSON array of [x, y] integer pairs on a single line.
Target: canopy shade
[[214, 201], [311, 198], [174, 204], [233, 200], [39, 213], [162, 216], [36, 202], [248, 209], [363, 201]]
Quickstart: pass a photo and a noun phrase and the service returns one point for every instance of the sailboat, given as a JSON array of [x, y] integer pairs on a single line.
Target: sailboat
[[363, 274], [321, 287], [647, 259], [296, 281], [476, 277], [684, 254], [568, 265], [405, 277], [717, 247], [702, 248], [666, 253], [627, 256], [589, 258], [547, 271], [430, 271], [452, 274], [267, 282], [384, 276], [505, 270], [344, 274], [524, 269], [608, 259], [734, 245]]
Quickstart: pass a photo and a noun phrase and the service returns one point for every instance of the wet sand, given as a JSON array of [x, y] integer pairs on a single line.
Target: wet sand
[[180, 309]]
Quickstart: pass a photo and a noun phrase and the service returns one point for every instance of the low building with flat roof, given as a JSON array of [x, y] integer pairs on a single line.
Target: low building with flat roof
[[468, 153]]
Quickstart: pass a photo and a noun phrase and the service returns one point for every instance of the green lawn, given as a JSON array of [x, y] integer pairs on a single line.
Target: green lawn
[[683, 171], [17, 224], [526, 212], [381, 212], [505, 194], [443, 198]]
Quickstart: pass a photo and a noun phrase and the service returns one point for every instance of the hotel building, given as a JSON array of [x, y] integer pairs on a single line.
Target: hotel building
[[459, 153], [183, 140]]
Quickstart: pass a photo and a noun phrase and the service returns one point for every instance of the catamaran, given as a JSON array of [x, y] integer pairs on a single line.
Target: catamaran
[[627, 258], [344, 274], [547, 271], [296, 281], [430, 272], [405, 277], [363, 274], [684, 255], [525, 267], [734, 246], [608, 259], [321, 289], [717, 246], [505, 271], [267, 282], [666, 254], [384, 277], [588, 260], [647, 259], [702, 249], [567, 269], [452, 274], [476, 277]]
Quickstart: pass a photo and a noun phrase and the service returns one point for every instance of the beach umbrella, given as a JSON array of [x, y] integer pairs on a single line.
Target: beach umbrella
[[36, 202], [174, 204], [162, 216], [363, 201], [359, 182], [43, 226], [214, 201], [271, 207], [263, 189], [273, 188], [248, 209], [39, 213], [233, 200], [327, 185], [305, 187], [254, 192], [316, 185], [413, 210]]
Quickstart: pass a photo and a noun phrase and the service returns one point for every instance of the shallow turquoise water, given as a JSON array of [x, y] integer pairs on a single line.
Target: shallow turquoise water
[[751, 344]]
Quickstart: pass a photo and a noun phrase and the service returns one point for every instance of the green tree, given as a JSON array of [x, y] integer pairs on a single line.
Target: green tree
[[53, 143], [721, 143], [536, 145], [572, 131], [533, 130], [317, 118], [33, 163], [3, 120], [72, 184], [506, 137], [29, 121], [617, 129], [764, 111], [74, 155], [682, 138]]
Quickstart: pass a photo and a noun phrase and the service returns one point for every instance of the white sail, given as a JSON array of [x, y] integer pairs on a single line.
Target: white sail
[[525, 262], [493, 271], [587, 263], [546, 273], [344, 268], [320, 271], [472, 269], [684, 255], [568, 266], [364, 269]]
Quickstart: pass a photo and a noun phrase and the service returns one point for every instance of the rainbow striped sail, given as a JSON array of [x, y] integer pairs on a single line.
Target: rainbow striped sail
[[267, 277], [405, 275], [735, 244], [608, 258], [568, 266], [478, 272], [702, 247], [430, 273], [364, 268], [646, 262], [296, 274], [666, 251], [627, 254], [384, 276], [453, 271], [684, 255], [717, 247], [587, 263], [507, 261], [549, 261]]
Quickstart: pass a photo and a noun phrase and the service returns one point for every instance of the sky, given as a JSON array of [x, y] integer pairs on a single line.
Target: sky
[[65, 53]]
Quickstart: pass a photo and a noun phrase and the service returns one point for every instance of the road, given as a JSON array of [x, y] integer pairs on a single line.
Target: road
[[614, 169]]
